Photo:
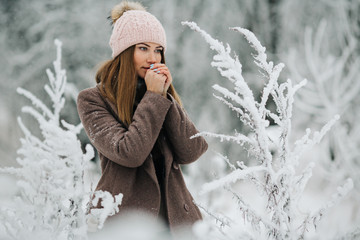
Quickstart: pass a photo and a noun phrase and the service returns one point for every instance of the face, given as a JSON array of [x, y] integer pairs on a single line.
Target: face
[[146, 54]]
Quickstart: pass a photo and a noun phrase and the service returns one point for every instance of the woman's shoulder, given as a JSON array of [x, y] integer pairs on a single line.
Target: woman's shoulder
[[88, 94], [90, 97], [91, 91]]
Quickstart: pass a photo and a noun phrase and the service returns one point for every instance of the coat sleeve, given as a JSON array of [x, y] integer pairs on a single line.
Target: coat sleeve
[[130, 146], [179, 129]]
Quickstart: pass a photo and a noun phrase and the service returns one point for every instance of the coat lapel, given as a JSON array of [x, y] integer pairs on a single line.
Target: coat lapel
[[168, 157]]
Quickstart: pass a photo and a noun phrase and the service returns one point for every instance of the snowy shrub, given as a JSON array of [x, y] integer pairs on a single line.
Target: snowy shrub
[[52, 203], [274, 159], [334, 86]]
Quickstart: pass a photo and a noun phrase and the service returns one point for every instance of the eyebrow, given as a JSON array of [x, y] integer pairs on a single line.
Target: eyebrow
[[149, 45]]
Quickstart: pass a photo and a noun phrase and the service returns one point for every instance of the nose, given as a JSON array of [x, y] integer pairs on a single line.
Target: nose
[[151, 58]]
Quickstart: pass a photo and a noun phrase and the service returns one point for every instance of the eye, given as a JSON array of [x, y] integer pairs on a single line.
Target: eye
[[158, 50], [142, 48]]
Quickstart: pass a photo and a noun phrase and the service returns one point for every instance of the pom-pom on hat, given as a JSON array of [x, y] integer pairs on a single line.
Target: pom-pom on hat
[[133, 25]]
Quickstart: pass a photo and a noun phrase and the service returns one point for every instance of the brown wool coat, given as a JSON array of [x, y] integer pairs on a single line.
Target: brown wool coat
[[126, 162]]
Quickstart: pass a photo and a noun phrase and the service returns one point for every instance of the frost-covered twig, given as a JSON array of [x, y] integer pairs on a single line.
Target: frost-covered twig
[[223, 220], [232, 167], [250, 213], [305, 143], [239, 138], [261, 61], [238, 174], [342, 191], [109, 204], [35, 101]]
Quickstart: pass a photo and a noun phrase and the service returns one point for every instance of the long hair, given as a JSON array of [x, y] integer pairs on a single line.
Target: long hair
[[118, 80]]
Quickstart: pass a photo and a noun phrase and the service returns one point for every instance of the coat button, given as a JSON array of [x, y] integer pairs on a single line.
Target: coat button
[[186, 207], [175, 165]]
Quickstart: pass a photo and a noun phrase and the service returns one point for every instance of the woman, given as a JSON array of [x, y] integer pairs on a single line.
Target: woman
[[135, 120]]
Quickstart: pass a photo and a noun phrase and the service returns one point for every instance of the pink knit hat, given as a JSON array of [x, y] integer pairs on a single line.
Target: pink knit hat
[[133, 27]]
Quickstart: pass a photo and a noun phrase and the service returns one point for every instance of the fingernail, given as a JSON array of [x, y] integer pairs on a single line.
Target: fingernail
[[158, 72], [151, 66], [155, 69]]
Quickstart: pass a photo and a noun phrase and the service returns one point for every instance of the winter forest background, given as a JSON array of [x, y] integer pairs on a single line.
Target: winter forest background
[[316, 40]]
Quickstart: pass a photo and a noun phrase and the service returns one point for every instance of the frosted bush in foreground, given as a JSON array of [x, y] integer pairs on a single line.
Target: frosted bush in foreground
[[53, 198], [274, 173]]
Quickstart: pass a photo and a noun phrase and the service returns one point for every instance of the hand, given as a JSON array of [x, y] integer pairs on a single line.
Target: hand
[[155, 82], [163, 70]]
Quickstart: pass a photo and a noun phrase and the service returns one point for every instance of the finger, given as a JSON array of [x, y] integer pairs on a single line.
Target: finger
[[156, 65], [159, 67], [150, 73], [166, 73], [160, 77], [166, 86], [160, 70], [163, 78], [168, 82]]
